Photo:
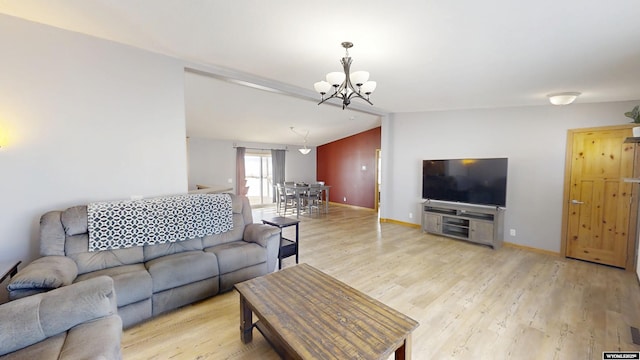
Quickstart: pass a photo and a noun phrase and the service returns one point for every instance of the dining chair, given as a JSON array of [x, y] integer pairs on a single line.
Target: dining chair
[[320, 183], [285, 198], [312, 197]]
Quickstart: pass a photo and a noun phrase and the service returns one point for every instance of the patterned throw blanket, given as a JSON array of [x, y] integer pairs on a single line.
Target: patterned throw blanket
[[128, 223]]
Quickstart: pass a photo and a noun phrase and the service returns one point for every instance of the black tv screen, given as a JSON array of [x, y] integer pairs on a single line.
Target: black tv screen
[[473, 181]]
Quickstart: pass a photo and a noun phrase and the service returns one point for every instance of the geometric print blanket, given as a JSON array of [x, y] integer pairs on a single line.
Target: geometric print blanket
[[127, 223]]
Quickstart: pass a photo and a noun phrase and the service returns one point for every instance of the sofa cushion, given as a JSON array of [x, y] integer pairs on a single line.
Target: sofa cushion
[[180, 269], [74, 220], [52, 236], [241, 217], [77, 248], [237, 255], [234, 234], [154, 251], [132, 282]]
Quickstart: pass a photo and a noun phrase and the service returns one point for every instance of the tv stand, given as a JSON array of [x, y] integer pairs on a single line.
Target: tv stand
[[476, 223]]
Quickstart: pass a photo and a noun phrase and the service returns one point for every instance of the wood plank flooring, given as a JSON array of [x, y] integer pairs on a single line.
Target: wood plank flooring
[[471, 302]]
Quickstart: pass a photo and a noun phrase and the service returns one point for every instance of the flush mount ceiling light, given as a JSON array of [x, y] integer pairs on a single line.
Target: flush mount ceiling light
[[303, 150], [343, 82], [564, 98]]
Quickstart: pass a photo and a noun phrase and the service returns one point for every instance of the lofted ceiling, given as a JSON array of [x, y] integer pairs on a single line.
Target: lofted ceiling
[[425, 55]]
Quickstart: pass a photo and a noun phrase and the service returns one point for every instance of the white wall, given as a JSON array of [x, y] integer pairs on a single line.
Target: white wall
[[301, 168], [213, 162], [533, 138], [87, 119]]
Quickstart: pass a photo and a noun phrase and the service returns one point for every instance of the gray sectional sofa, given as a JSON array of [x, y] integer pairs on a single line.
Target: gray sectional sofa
[[150, 279], [78, 321]]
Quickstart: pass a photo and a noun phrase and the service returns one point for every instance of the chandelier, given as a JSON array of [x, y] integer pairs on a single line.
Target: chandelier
[[303, 150], [343, 82]]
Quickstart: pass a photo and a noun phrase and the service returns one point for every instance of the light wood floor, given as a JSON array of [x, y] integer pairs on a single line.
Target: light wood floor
[[471, 302]]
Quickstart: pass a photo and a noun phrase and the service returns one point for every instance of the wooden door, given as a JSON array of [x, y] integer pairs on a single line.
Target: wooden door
[[598, 207]]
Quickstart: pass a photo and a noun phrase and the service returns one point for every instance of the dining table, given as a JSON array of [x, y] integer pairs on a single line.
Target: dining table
[[300, 189]]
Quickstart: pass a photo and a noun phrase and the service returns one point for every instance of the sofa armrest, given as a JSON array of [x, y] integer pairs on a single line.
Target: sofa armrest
[[32, 319], [261, 234], [268, 237], [43, 274]]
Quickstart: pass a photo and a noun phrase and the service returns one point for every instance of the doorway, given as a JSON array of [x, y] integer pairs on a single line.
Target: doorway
[[599, 208], [378, 179], [259, 175]]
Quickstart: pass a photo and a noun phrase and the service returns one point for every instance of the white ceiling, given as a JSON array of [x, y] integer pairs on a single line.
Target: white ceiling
[[425, 55]]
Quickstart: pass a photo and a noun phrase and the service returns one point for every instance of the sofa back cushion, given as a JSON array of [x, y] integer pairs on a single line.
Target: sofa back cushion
[[241, 218], [52, 235], [77, 248], [64, 233], [155, 251]]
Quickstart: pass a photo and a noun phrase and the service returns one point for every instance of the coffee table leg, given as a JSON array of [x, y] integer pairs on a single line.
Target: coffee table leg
[[246, 321], [404, 351]]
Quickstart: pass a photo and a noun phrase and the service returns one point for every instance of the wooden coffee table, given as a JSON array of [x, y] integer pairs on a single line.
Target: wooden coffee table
[[307, 314]]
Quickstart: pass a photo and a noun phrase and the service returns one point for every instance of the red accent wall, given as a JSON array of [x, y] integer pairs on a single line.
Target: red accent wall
[[339, 164]]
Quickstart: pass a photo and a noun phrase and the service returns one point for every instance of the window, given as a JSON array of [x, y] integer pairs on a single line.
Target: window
[[258, 173]]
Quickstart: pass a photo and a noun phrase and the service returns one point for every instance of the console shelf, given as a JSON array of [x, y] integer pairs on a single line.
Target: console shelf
[[475, 223]]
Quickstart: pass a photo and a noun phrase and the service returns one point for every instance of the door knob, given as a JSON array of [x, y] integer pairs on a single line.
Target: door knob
[[574, 201]]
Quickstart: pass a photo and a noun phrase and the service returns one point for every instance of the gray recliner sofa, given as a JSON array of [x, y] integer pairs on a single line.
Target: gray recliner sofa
[[78, 321], [150, 279]]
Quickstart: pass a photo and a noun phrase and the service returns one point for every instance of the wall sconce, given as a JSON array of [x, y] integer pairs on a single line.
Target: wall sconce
[[564, 98]]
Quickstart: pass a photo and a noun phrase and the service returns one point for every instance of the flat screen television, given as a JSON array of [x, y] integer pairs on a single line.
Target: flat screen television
[[473, 181]]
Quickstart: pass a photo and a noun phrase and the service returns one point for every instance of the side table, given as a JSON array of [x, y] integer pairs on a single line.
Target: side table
[[288, 247], [8, 269]]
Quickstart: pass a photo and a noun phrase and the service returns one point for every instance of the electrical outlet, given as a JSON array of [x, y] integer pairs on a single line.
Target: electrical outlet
[[410, 215], [512, 232], [344, 199]]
